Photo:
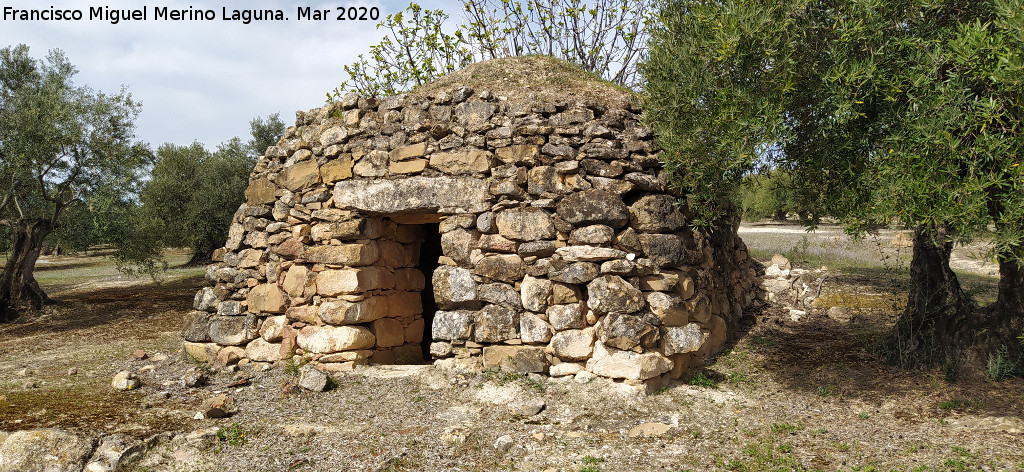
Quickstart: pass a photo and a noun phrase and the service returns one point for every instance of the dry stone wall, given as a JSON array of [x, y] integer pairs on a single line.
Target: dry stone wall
[[561, 249]]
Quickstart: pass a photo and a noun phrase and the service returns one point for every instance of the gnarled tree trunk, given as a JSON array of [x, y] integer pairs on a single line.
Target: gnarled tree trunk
[[18, 287], [937, 311], [1000, 324]]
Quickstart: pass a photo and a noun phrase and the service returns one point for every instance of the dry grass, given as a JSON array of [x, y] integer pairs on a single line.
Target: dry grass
[[808, 395], [541, 77]]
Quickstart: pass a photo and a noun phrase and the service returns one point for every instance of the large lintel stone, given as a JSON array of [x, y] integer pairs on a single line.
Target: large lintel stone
[[413, 195]]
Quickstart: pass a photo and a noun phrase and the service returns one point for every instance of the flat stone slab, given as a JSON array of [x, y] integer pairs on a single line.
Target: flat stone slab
[[413, 195]]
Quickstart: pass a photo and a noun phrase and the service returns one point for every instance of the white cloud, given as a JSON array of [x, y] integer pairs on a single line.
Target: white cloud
[[204, 80]]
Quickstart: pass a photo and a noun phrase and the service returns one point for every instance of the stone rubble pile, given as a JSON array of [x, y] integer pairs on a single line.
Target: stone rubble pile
[[793, 289], [562, 249]]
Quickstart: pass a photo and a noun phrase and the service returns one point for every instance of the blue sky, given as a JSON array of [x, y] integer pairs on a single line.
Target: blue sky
[[203, 81]]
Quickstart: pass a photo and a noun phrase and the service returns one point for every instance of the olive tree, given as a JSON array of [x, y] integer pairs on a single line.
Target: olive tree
[[897, 111], [59, 144]]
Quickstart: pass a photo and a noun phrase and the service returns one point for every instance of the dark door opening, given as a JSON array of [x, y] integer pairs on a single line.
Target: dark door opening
[[430, 251]]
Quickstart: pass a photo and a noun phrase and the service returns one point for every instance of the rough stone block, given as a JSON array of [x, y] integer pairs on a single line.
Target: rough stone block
[[500, 294], [404, 304], [414, 332], [326, 339], [497, 243], [593, 234], [342, 312], [682, 339], [260, 350], [525, 224], [665, 250], [453, 287], [669, 307], [521, 359], [623, 331], [197, 327], [661, 282], [411, 151], [412, 195], [575, 273], [573, 344], [260, 191], [495, 323], [359, 254], [461, 162], [504, 267], [202, 352], [616, 364], [392, 254], [44, 450], [518, 154], [298, 280], [233, 330], [336, 282], [205, 300], [409, 279], [535, 293], [591, 207], [611, 293], [414, 166], [656, 214], [458, 243], [533, 329], [273, 328], [337, 169], [389, 332], [333, 135], [589, 253], [563, 317], [300, 175], [452, 325], [267, 298], [372, 164]]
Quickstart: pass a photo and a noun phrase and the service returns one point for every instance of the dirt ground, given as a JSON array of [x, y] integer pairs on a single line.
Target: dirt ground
[[785, 395]]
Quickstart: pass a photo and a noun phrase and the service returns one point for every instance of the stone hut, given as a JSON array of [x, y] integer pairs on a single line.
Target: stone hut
[[513, 214]]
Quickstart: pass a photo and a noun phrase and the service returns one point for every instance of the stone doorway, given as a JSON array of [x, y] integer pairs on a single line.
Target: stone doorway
[[425, 229]]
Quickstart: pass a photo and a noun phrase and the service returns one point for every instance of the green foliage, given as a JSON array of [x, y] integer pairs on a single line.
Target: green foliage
[[716, 75], [192, 195], [233, 435], [414, 51], [504, 377], [785, 428], [771, 195], [601, 36], [999, 365], [605, 37], [703, 379], [591, 464], [61, 143], [958, 404], [64, 149], [882, 110]]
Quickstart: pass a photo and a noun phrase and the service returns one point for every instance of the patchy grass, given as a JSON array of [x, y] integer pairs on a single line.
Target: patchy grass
[[786, 396], [544, 77]]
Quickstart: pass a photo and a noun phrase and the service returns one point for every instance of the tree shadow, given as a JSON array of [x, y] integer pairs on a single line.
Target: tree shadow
[[107, 307]]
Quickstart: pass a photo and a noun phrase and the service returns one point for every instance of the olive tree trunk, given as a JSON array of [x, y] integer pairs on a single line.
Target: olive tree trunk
[[18, 287], [937, 309]]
